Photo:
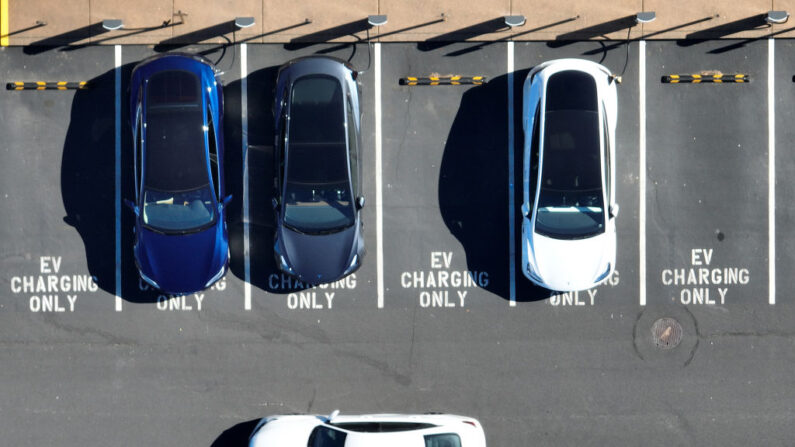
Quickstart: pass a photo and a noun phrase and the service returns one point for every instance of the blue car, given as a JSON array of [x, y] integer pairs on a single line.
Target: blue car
[[176, 112], [318, 199]]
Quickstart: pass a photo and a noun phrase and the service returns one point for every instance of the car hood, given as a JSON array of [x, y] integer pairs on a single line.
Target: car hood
[[319, 258], [569, 265], [182, 264]]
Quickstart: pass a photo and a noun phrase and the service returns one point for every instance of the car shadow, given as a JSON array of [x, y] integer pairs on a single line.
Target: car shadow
[[237, 435], [473, 184], [88, 175]]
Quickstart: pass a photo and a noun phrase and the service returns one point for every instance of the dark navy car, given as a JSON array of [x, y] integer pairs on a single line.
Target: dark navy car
[[176, 112], [318, 197]]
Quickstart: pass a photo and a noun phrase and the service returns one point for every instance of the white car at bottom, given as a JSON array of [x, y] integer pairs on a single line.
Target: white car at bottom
[[569, 115], [372, 430]]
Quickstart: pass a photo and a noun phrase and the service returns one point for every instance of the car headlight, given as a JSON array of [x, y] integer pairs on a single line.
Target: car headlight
[[217, 276], [284, 266], [353, 266], [532, 274], [148, 280], [603, 276]]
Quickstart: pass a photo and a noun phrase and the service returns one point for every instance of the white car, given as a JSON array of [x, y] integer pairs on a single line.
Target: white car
[[569, 116], [372, 430]]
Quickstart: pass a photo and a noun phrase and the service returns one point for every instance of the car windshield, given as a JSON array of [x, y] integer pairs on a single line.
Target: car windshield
[[570, 202], [323, 436], [317, 191], [178, 211], [443, 440]]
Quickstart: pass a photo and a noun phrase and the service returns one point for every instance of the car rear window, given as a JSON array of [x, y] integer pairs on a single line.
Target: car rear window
[[173, 87], [317, 111], [571, 90]]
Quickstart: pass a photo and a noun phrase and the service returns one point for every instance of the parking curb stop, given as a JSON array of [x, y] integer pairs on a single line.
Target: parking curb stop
[[443, 80], [43, 85]]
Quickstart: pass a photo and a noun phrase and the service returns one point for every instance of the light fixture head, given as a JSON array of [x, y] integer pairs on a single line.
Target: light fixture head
[[112, 24], [514, 21], [777, 17], [244, 22], [645, 17], [377, 20]]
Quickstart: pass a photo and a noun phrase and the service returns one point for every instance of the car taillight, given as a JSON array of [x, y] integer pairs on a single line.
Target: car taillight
[[472, 423]]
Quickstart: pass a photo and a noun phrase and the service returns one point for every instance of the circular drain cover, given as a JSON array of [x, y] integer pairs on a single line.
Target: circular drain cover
[[667, 333]]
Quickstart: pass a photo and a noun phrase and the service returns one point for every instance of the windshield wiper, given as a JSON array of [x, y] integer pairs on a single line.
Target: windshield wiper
[[333, 230], [293, 228]]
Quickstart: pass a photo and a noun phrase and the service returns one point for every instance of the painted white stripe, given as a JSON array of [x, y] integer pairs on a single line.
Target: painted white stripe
[[642, 171], [244, 138], [511, 204], [771, 172], [117, 131], [379, 204]]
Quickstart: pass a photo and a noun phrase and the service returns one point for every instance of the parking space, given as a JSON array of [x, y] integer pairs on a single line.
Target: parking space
[[620, 292], [445, 179], [227, 294], [784, 91], [58, 184], [707, 188], [552, 368], [272, 290]]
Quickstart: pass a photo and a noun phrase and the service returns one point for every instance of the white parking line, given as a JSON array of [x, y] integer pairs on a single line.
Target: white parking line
[[379, 208], [642, 171], [117, 77], [511, 204], [771, 172], [244, 138]]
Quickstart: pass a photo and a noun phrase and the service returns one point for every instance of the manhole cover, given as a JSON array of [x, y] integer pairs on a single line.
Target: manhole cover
[[667, 333]]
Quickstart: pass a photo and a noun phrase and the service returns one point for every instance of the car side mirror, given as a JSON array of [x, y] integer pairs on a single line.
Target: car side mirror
[[614, 210], [133, 207], [525, 210], [224, 202], [275, 203], [359, 202]]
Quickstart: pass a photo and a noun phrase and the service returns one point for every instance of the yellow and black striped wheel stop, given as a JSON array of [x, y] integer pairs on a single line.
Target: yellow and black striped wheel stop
[[443, 80], [714, 78], [42, 85]]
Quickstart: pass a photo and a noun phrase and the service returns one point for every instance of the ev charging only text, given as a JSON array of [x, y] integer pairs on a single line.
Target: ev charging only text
[[434, 284], [704, 283], [51, 290]]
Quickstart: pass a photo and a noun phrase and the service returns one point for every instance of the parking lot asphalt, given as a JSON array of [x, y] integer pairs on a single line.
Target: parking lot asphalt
[[435, 320]]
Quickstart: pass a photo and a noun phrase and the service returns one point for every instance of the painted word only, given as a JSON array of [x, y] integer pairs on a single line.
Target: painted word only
[[584, 298], [312, 297]]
